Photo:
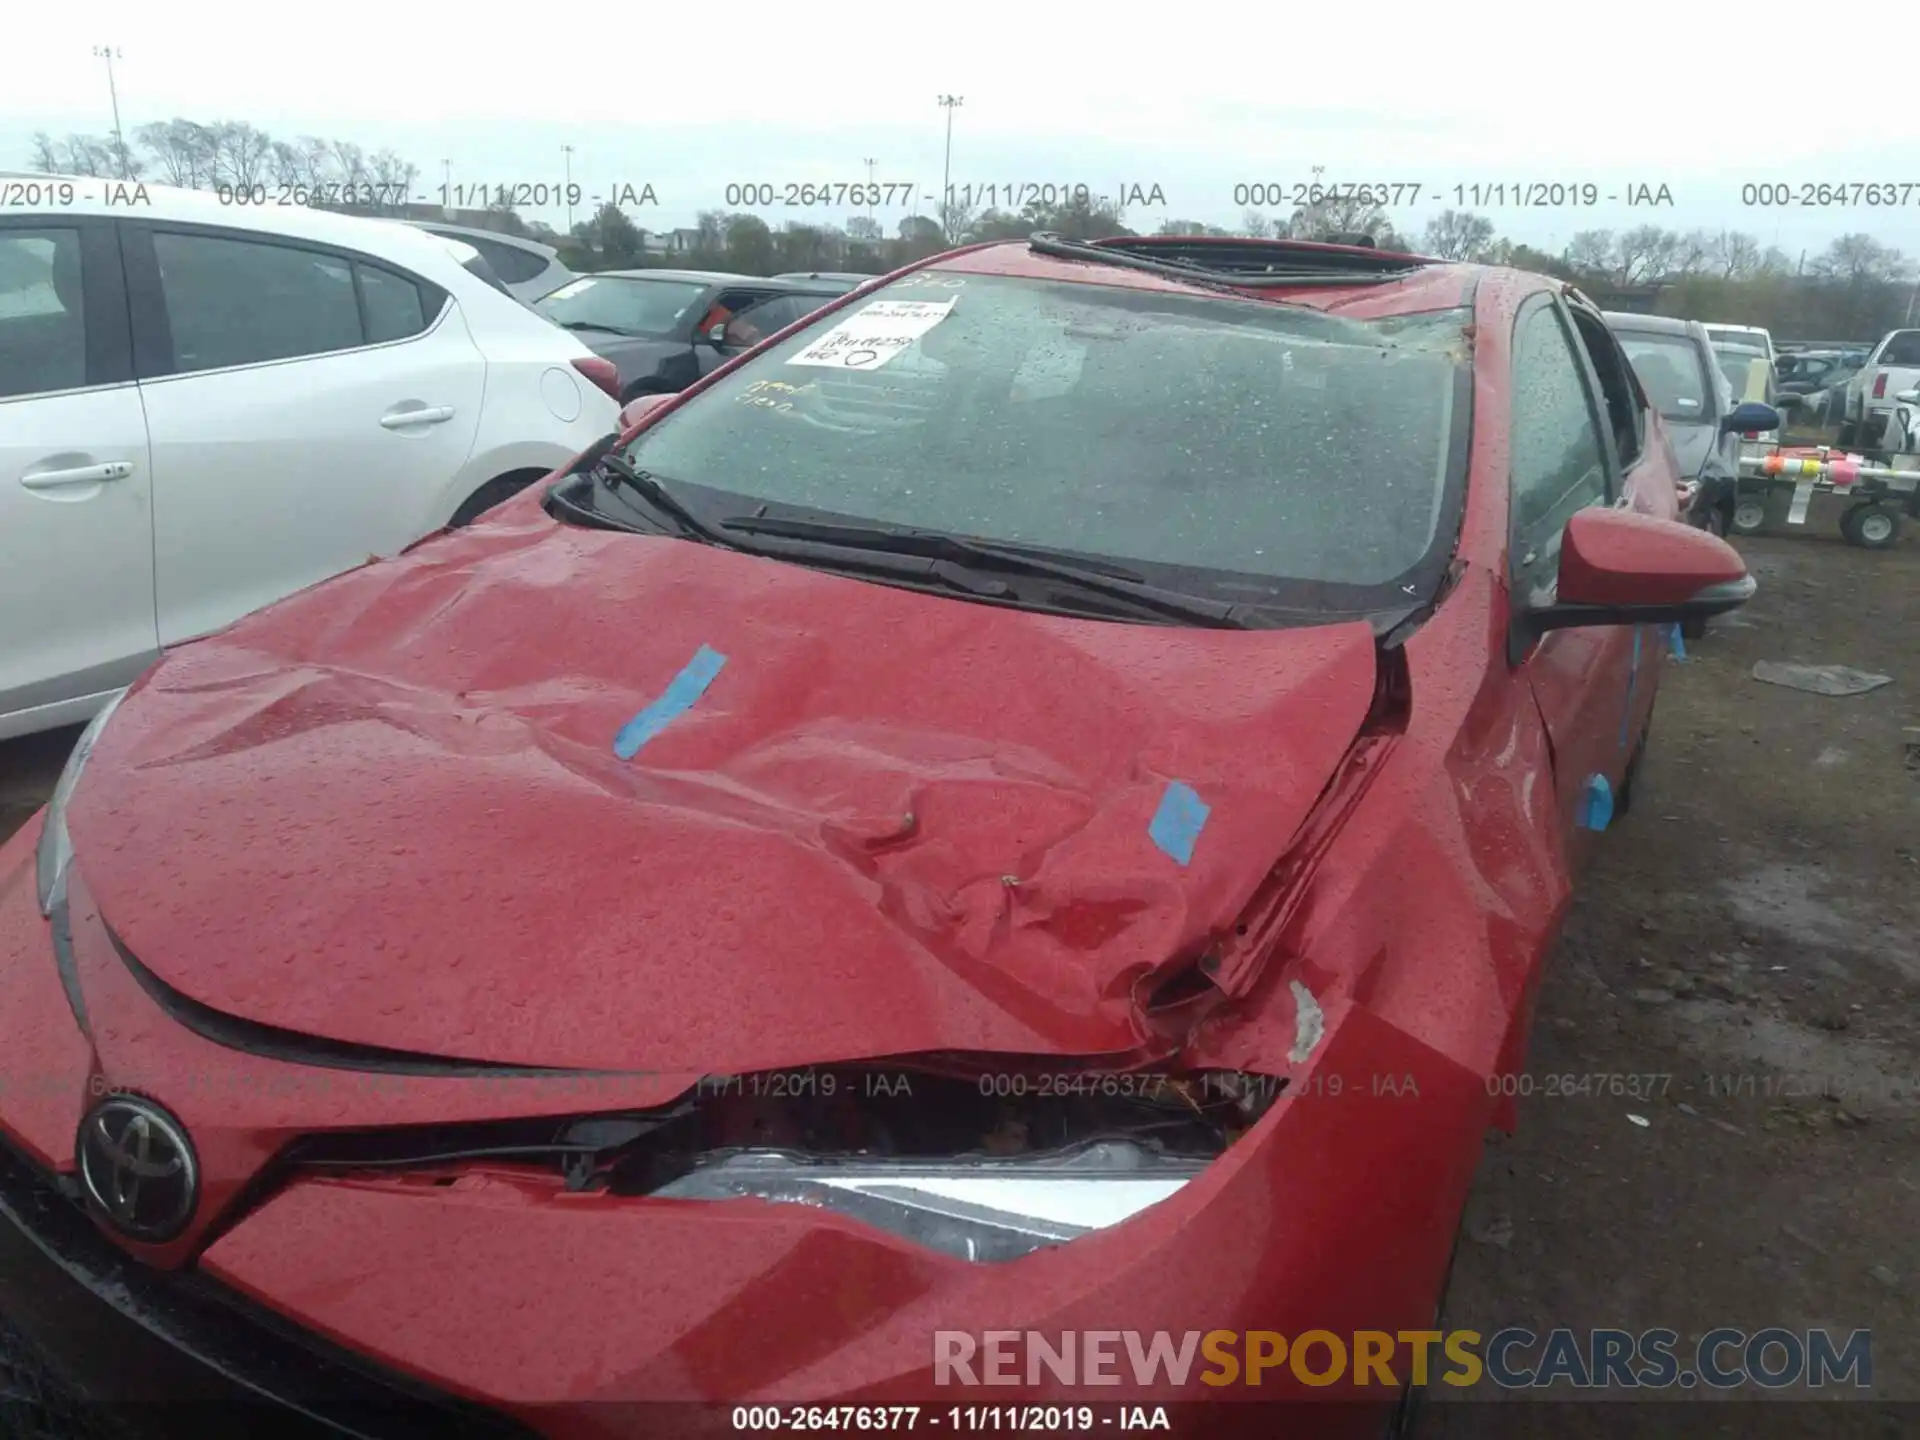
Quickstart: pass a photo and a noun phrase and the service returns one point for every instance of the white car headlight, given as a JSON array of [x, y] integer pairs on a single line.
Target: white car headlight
[[56, 849], [981, 1210]]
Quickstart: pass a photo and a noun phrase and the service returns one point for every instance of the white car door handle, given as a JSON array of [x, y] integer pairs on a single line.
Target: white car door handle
[[80, 475], [433, 415]]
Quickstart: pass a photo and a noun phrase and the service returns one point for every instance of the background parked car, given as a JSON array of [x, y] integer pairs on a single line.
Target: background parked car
[[1756, 336], [206, 407], [1684, 382], [1894, 366], [664, 329], [529, 270], [1817, 379], [844, 280]]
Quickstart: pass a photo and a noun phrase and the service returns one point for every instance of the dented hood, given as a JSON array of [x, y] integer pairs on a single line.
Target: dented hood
[[390, 811]]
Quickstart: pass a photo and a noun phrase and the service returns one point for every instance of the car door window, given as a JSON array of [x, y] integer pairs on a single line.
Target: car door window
[[395, 307], [1620, 391], [43, 333], [1558, 458], [241, 302], [752, 326], [509, 262]]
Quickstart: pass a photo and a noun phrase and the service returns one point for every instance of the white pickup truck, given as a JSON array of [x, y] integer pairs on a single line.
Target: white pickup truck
[[1872, 395]]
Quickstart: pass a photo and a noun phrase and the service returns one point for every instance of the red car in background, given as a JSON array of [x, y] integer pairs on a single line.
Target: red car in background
[[942, 826]]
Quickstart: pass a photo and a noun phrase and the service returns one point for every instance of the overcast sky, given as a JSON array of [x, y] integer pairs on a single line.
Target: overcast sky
[[1063, 94]]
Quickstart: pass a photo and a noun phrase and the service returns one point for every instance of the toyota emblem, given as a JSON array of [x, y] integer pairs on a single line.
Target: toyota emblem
[[138, 1169]]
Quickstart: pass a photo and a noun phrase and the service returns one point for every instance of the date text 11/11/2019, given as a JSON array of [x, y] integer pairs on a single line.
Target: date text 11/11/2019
[[891, 194], [1477, 195]]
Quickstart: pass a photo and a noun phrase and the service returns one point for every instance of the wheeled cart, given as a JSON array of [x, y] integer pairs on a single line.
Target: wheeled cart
[[1881, 493]]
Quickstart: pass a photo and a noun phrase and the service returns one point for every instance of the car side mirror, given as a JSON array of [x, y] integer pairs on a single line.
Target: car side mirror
[[716, 335], [1751, 416], [638, 408], [1622, 568], [1908, 397]]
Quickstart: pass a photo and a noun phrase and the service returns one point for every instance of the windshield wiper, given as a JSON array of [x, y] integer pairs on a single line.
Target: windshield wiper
[[594, 325], [980, 555], [615, 471]]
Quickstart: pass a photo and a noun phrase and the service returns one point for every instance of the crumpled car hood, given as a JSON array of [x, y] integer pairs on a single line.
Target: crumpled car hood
[[389, 811]]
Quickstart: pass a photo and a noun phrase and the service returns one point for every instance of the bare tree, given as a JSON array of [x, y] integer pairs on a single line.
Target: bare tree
[[1644, 253], [956, 217], [1593, 252], [1257, 226], [1860, 259], [242, 154], [1734, 255], [1340, 215], [307, 161], [1457, 235], [349, 163], [1693, 253], [90, 155], [395, 177], [183, 149]]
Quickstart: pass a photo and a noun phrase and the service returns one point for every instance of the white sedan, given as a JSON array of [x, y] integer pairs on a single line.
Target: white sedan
[[206, 406]]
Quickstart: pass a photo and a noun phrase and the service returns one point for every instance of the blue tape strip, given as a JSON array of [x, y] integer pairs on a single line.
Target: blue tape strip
[[1596, 804], [1678, 644], [688, 686], [1177, 824]]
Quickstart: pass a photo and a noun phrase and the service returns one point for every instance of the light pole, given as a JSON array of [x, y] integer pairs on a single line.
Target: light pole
[[567, 150], [446, 185], [949, 103], [871, 165], [109, 54]]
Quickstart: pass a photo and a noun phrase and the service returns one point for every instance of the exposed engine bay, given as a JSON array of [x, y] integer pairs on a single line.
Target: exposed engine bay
[[846, 1113]]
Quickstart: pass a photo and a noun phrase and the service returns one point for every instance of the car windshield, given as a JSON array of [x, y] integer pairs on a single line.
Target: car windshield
[[1737, 363], [1197, 436], [624, 305], [1752, 339], [1903, 348], [1672, 373]]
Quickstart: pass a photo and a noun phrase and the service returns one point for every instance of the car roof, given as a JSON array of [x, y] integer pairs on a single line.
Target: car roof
[[461, 232], [1361, 283], [168, 202], [700, 277], [373, 235]]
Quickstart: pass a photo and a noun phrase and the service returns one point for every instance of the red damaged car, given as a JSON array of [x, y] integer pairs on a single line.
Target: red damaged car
[[1036, 799]]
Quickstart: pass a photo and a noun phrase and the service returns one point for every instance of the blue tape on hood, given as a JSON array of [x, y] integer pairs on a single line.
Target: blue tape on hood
[[678, 698], [1177, 824]]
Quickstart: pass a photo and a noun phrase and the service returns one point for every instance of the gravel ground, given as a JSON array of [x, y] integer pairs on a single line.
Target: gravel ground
[[1751, 933], [1752, 930]]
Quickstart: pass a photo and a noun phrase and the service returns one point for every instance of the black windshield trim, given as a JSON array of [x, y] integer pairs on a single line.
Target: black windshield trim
[[1313, 269]]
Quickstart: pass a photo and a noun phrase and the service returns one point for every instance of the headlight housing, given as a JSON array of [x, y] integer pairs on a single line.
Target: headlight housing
[[55, 852], [976, 1209]]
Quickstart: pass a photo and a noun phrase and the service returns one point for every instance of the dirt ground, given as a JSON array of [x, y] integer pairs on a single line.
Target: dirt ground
[[1752, 933], [1752, 930]]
